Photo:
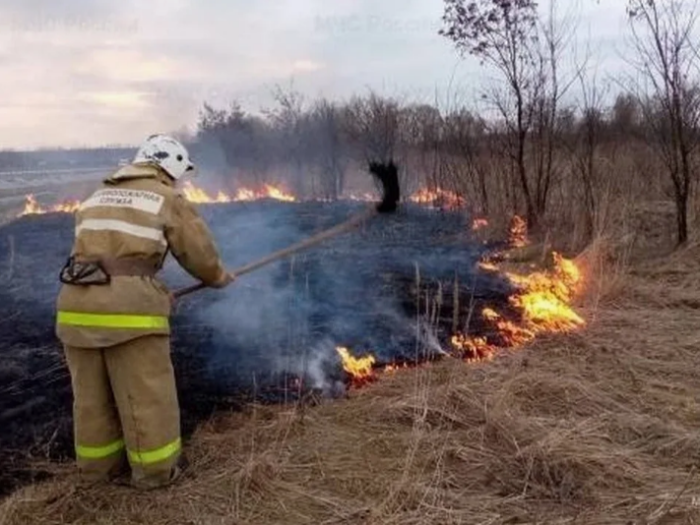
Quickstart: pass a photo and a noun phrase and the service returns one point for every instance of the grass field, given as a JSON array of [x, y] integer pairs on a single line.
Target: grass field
[[601, 427]]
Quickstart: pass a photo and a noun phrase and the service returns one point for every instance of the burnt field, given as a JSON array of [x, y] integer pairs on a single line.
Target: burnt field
[[399, 287]]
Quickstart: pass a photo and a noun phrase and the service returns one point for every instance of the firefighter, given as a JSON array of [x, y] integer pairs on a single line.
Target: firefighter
[[113, 315]]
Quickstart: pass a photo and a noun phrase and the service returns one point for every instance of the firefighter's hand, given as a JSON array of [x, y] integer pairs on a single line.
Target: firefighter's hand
[[227, 279], [173, 299]]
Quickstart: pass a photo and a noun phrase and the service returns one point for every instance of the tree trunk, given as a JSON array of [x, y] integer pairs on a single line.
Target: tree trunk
[[682, 217]]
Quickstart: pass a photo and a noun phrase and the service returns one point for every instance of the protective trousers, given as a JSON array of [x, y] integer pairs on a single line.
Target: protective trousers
[[126, 408]]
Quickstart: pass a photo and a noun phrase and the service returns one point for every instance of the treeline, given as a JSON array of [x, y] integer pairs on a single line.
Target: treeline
[[320, 149]]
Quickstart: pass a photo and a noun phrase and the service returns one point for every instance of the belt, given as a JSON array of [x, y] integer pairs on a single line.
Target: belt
[[128, 266]]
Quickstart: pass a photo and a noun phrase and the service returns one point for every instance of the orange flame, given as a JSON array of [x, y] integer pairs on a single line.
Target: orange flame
[[32, 207], [438, 197], [191, 192], [543, 301], [200, 196], [359, 368]]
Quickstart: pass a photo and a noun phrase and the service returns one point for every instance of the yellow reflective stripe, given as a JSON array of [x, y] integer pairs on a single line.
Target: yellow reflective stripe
[[112, 320], [156, 455], [99, 452]]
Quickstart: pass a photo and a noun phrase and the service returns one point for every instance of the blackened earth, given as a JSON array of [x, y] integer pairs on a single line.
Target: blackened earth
[[388, 288]]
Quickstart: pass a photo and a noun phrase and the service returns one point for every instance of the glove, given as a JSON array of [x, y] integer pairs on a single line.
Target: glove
[[227, 279]]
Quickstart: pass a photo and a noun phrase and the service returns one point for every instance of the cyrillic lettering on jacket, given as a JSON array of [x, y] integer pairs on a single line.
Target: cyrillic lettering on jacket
[[147, 201]]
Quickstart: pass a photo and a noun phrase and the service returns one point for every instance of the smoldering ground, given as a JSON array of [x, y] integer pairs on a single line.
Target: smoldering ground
[[251, 340], [289, 317]]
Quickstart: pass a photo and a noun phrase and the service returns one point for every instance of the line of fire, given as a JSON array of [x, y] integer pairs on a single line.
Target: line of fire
[[541, 300]]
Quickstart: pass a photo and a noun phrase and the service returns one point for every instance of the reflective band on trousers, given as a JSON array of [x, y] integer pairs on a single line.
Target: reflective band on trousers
[[155, 455], [84, 452], [112, 320]]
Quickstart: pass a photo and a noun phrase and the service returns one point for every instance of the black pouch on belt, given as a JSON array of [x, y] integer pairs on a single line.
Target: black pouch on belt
[[84, 273]]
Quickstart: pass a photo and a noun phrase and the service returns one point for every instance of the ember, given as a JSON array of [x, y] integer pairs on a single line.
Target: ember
[[517, 233]]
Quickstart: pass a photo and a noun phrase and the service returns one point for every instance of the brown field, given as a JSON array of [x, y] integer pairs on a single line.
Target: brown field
[[601, 427]]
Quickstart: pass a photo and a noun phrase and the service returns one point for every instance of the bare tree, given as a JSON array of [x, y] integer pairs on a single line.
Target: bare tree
[[373, 124], [421, 133], [289, 119], [329, 147], [505, 34], [466, 145], [667, 58], [584, 137], [239, 139], [549, 118]]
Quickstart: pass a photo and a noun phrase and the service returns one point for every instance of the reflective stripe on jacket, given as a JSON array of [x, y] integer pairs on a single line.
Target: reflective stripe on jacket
[[137, 213]]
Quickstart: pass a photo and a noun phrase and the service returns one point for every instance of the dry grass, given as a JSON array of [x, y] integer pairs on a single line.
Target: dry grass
[[599, 427]]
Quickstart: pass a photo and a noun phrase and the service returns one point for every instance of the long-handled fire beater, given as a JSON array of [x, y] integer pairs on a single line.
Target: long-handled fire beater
[[386, 174]]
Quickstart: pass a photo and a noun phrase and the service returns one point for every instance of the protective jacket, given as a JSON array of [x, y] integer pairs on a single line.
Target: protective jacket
[[123, 233]]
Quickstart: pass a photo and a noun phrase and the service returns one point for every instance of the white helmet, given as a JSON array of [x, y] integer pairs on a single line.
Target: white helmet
[[167, 152]]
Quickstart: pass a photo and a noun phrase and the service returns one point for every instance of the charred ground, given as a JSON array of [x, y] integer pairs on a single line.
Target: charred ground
[[396, 287]]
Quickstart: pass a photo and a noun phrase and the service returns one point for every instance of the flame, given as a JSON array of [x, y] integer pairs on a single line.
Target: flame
[[277, 194], [547, 297], [438, 198], [473, 348], [32, 207], [192, 193], [543, 303], [360, 369], [198, 195], [517, 232]]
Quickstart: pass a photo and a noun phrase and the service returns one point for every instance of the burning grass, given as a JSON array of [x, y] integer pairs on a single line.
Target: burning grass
[[266, 191], [542, 304], [436, 198], [32, 207]]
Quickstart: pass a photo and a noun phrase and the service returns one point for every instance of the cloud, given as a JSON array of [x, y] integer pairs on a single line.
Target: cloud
[[116, 99], [99, 71]]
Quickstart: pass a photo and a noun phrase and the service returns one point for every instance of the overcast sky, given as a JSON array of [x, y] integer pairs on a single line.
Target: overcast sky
[[92, 72]]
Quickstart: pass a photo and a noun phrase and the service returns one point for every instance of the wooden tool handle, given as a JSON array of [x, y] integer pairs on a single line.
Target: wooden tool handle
[[343, 227]]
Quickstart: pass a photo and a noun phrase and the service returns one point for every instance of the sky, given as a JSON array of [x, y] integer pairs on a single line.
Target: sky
[[96, 72]]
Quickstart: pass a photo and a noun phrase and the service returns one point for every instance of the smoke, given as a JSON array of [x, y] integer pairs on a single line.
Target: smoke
[[286, 320]]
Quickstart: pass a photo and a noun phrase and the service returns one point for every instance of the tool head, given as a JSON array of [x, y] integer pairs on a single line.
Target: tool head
[[388, 176]]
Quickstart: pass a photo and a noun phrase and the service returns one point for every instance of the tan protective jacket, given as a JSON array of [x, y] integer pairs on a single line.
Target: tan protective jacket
[[136, 214]]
